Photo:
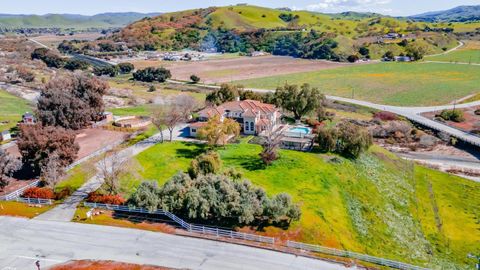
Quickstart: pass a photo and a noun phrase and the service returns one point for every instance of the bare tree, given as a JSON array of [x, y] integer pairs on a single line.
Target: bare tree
[[272, 136], [8, 165], [174, 117], [187, 104], [159, 116], [111, 168], [52, 170]]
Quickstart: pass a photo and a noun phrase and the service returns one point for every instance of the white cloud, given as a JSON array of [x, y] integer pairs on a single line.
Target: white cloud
[[350, 5]]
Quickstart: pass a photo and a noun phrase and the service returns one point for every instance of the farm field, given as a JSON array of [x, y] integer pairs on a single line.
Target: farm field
[[469, 53], [11, 110], [240, 68], [403, 84], [379, 204]]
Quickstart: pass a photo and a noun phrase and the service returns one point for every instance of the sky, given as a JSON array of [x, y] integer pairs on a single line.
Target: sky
[[90, 7]]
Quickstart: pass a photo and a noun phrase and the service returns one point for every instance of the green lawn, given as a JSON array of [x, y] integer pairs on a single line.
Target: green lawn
[[11, 109], [77, 176], [406, 84], [373, 205]]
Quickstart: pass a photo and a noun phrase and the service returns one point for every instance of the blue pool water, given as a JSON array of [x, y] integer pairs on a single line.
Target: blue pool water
[[302, 130]]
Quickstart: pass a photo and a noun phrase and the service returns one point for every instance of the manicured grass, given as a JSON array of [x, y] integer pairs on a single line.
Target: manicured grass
[[405, 84], [379, 204], [17, 209], [11, 109]]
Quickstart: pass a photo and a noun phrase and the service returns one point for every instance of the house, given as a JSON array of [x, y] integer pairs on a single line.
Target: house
[[28, 119], [403, 58], [5, 136], [252, 115]]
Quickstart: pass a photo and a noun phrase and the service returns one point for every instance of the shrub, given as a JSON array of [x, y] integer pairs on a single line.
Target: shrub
[[151, 74], [152, 88], [208, 163], [385, 116], [74, 64], [346, 139], [39, 193], [96, 197], [195, 78], [64, 193], [477, 112], [353, 58], [452, 115], [109, 70], [125, 68], [25, 74]]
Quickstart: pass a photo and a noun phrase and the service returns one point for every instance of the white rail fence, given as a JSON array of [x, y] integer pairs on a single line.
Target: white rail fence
[[212, 231], [34, 201], [353, 255], [19, 192]]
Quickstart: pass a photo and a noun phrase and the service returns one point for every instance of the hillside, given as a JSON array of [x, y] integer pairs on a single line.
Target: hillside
[[379, 204], [458, 14], [104, 20], [295, 33]]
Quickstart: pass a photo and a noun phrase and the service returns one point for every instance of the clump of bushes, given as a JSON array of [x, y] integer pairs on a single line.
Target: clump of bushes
[[216, 198], [195, 79], [39, 193], [452, 115], [64, 193], [125, 68], [96, 197], [152, 74], [49, 58], [75, 64], [345, 138], [109, 70], [385, 116]]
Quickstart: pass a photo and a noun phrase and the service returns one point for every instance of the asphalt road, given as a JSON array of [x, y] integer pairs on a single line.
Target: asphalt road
[[24, 241]]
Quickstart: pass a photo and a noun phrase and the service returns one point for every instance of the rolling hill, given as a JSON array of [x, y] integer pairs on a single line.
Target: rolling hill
[[458, 14], [104, 20], [310, 34]]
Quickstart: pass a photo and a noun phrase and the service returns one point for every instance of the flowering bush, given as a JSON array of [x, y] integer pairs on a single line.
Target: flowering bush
[[39, 193], [385, 116], [95, 197]]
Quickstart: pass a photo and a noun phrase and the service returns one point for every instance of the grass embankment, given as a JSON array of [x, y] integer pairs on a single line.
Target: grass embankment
[[376, 205], [11, 110], [404, 84], [469, 53], [77, 176], [17, 209]]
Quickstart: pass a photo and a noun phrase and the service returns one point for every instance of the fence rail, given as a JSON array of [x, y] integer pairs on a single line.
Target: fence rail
[[19, 192], [212, 231], [353, 255], [34, 201]]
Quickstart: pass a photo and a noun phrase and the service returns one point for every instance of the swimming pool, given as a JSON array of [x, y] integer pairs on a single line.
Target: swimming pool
[[300, 130]]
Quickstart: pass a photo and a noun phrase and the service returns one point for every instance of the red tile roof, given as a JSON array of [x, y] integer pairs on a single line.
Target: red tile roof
[[249, 108]]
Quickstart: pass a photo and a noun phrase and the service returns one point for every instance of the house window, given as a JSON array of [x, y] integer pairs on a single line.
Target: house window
[[194, 130], [246, 126], [251, 126]]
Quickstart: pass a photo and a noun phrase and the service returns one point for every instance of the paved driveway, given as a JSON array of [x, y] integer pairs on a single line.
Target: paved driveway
[[23, 241]]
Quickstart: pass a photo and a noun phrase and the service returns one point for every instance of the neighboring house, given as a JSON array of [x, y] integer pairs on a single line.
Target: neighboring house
[[28, 119], [252, 115], [5, 136]]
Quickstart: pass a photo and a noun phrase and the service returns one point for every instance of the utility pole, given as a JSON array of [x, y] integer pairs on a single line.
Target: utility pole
[[471, 256]]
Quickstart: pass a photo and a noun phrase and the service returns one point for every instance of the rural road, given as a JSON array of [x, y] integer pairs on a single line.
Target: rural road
[[24, 241]]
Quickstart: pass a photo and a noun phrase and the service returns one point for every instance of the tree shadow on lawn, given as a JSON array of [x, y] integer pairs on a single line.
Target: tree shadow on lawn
[[248, 162], [191, 153]]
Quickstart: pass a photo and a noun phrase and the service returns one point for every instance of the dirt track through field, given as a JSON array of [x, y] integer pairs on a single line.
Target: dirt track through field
[[227, 70]]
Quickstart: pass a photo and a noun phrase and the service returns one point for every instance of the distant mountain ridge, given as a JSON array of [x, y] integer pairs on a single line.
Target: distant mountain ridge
[[457, 14], [102, 20]]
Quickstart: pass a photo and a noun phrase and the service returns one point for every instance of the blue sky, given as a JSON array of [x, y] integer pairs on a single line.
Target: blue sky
[[88, 7]]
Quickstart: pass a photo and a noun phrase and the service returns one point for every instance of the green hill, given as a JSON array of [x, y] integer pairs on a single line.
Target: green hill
[[104, 20], [243, 28], [379, 204], [458, 14]]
